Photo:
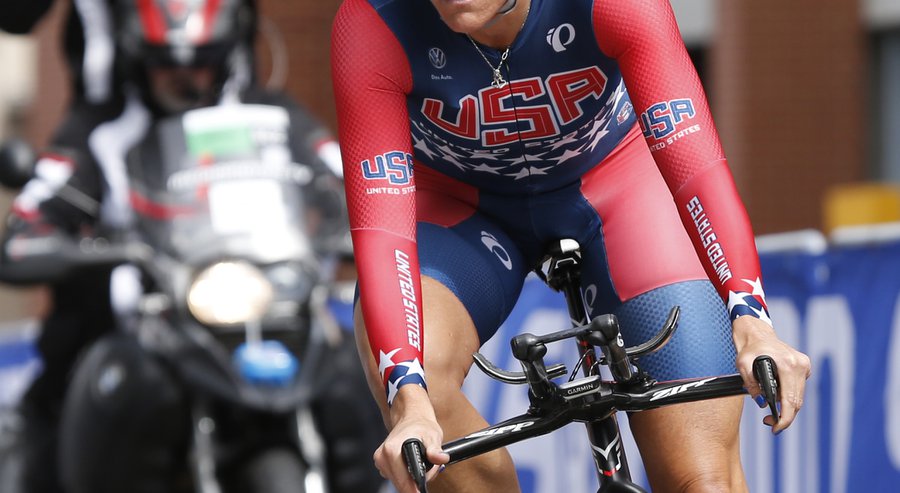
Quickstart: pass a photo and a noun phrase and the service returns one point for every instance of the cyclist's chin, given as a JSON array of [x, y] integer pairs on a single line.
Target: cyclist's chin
[[464, 16]]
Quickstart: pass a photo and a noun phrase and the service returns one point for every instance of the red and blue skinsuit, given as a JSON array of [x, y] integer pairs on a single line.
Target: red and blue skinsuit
[[562, 150]]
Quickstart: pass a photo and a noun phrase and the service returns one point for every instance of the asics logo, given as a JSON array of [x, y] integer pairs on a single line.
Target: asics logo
[[561, 36], [437, 58], [494, 246]]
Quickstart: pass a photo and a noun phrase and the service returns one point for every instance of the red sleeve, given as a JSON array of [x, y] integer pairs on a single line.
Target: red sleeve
[[643, 37], [371, 77]]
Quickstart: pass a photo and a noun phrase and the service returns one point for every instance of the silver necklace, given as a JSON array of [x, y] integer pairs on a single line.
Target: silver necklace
[[498, 80]]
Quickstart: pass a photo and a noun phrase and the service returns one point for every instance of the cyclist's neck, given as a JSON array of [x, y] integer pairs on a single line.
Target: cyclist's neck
[[501, 31]]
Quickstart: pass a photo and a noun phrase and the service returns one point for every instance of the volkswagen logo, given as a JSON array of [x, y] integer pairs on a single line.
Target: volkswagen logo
[[437, 58]]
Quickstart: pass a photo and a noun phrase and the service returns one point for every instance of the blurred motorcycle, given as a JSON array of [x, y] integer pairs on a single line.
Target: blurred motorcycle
[[209, 384]]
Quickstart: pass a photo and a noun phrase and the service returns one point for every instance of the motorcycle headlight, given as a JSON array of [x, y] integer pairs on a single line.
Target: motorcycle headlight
[[227, 293]]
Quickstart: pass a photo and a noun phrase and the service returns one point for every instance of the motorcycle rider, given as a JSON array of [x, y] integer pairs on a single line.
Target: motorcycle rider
[[67, 327], [79, 189], [88, 42]]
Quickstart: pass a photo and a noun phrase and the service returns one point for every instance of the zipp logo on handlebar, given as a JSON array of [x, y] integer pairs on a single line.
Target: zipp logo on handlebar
[[499, 431], [679, 389]]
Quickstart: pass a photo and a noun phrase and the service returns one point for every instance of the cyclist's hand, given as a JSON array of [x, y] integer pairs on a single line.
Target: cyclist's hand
[[754, 337], [413, 417]]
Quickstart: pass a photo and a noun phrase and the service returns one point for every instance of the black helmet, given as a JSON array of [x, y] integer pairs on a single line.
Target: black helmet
[[184, 34]]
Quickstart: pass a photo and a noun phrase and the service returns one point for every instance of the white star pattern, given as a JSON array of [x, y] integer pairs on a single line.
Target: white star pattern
[[735, 299], [757, 288], [385, 362], [422, 146], [452, 160], [567, 154], [447, 152], [742, 299], [565, 141], [597, 138], [413, 369], [484, 154], [525, 158], [392, 390], [523, 173], [487, 169]]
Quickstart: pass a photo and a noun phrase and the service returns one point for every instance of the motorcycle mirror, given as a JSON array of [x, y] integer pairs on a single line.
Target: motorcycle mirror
[[17, 159]]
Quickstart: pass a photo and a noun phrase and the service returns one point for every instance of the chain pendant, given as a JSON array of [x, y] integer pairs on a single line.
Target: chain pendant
[[499, 81]]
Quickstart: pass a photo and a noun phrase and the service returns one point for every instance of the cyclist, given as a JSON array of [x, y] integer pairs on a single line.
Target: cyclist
[[515, 117], [79, 186]]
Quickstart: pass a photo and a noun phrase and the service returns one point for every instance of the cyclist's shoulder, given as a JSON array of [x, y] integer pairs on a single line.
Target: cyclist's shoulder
[[634, 26]]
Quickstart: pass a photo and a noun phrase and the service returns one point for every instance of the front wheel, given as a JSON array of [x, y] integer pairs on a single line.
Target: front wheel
[[274, 471]]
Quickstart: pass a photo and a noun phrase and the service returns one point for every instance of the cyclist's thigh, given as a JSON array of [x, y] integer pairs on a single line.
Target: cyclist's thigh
[[471, 255], [645, 260]]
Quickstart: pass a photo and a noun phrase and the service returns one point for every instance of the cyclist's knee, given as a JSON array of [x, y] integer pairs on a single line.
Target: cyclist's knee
[[445, 393], [719, 481]]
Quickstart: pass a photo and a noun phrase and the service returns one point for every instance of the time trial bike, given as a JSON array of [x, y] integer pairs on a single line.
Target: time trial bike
[[589, 398]]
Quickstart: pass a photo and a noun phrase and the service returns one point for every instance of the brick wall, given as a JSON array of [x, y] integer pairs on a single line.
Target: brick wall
[[306, 29], [788, 92]]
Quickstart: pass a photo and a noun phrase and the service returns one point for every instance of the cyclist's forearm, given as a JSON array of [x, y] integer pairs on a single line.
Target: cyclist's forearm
[[717, 222], [391, 294]]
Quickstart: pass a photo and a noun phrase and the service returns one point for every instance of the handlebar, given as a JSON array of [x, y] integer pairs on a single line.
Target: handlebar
[[416, 463], [50, 258], [766, 373]]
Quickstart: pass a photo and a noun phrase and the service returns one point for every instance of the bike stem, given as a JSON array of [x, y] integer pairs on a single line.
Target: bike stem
[[564, 274]]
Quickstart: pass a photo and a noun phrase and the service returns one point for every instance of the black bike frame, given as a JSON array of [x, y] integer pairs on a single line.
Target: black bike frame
[[564, 275]]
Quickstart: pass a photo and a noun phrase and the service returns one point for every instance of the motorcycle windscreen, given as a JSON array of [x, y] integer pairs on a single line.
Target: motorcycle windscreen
[[222, 182]]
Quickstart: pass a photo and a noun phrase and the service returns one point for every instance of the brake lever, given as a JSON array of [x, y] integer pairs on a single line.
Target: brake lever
[[416, 463], [766, 373]]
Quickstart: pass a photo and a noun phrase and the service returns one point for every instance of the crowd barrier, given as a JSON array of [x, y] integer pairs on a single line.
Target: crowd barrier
[[837, 301]]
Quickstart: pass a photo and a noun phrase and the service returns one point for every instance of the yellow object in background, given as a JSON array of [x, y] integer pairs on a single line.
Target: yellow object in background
[[860, 204]]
